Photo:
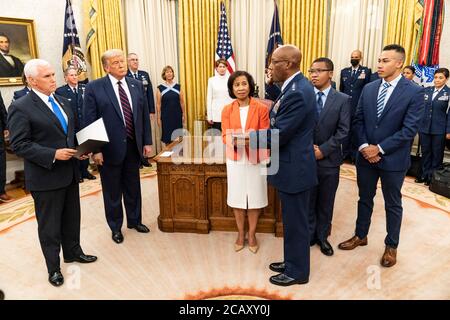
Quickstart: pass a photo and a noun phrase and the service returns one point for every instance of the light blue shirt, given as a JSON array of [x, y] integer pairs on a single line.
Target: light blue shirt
[[325, 92]]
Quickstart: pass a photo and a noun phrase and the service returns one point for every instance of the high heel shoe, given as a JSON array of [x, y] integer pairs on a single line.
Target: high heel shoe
[[238, 247], [253, 249]]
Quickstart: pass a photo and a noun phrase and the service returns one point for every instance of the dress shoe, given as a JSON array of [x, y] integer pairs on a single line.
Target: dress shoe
[[117, 237], [5, 198], [427, 183], [277, 267], [284, 281], [238, 247], [90, 176], [353, 243], [140, 228], [389, 257], [82, 258], [326, 248], [56, 278], [419, 180], [253, 249]]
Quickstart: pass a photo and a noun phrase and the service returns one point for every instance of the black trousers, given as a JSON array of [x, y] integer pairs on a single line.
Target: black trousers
[[217, 125], [123, 181], [2, 163], [58, 218], [322, 203], [84, 164]]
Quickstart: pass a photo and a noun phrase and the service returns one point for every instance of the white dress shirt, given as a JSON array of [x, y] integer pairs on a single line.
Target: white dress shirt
[[116, 91], [217, 97], [389, 91], [285, 84], [45, 97], [436, 92], [8, 58]]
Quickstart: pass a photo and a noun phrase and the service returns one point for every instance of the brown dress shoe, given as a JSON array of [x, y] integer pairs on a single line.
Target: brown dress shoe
[[389, 257], [5, 198], [353, 243]]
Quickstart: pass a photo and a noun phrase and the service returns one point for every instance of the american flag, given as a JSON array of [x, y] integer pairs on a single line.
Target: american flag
[[224, 48]]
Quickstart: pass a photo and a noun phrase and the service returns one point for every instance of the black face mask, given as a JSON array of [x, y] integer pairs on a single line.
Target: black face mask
[[354, 62]]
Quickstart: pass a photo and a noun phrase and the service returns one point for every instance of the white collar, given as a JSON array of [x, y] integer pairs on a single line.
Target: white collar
[[394, 82], [285, 84], [326, 92], [43, 96], [114, 80]]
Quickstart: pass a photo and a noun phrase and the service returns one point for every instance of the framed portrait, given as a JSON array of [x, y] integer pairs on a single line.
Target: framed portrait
[[17, 46]]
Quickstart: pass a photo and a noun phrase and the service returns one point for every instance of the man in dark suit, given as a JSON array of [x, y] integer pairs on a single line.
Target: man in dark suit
[[386, 122], [4, 197], [10, 66], [134, 72], [332, 128], [42, 132], [293, 118], [122, 103], [24, 91], [352, 81], [74, 91]]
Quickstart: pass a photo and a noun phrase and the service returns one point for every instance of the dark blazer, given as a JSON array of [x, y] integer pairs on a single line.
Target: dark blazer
[[20, 93], [6, 70], [294, 115], [35, 134], [435, 117], [396, 128], [3, 116], [353, 86], [100, 102], [332, 128], [76, 102], [145, 78]]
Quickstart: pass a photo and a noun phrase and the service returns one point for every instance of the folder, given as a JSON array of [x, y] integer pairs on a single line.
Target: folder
[[91, 138]]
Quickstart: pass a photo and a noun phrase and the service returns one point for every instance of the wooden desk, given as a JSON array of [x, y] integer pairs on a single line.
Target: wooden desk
[[193, 194]]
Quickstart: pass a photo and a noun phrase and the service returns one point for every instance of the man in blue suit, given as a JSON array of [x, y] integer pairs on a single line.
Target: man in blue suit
[[292, 118], [74, 91], [332, 128], [122, 104], [388, 116], [352, 81]]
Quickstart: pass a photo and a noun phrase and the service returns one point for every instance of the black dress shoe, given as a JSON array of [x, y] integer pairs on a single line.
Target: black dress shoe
[[56, 278], [427, 183], [90, 177], [140, 228], [284, 281], [419, 180], [82, 258], [326, 248], [277, 267], [117, 237]]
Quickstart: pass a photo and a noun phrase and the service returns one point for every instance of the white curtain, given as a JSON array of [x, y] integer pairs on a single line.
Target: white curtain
[[151, 30], [355, 25], [250, 27]]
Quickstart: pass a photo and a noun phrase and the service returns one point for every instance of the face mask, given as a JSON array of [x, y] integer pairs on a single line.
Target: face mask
[[354, 62]]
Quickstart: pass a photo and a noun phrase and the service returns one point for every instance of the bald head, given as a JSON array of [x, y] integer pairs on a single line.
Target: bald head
[[285, 62], [356, 58]]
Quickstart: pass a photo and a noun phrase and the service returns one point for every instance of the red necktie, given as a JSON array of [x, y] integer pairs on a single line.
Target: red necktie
[[127, 112]]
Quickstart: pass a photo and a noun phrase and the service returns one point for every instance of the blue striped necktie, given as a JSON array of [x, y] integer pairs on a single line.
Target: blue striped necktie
[[320, 94], [58, 113], [381, 98]]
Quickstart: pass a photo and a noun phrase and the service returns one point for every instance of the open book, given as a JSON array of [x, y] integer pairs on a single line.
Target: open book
[[91, 138]]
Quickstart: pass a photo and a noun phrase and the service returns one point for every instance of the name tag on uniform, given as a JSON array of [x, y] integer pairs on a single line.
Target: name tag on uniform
[[362, 76]]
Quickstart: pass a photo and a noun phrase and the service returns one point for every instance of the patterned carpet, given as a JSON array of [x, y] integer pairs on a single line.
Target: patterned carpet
[[163, 265]]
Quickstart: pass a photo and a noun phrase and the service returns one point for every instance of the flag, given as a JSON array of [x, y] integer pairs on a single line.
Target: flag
[[275, 40], [224, 49], [72, 54]]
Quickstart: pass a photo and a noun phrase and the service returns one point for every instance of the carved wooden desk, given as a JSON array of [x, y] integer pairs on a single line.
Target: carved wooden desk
[[193, 193]]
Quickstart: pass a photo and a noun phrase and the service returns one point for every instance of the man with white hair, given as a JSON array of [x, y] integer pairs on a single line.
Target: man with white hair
[[41, 126], [122, 104]]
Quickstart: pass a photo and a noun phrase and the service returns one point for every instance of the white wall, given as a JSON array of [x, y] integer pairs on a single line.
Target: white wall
[[48, 16]]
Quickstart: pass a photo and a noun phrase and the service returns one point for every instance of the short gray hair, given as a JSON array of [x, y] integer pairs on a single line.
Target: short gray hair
[[111, 54], [70, 68], [31, 67]]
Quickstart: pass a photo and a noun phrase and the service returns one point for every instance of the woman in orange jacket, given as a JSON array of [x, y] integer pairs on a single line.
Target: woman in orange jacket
[[246, 168]]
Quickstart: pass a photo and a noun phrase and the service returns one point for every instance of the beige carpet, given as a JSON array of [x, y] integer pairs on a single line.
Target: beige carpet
[[189, 266]]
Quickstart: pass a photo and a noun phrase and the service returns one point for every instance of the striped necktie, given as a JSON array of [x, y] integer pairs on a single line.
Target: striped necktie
[[382, 98], [127, 112], [320, 94]]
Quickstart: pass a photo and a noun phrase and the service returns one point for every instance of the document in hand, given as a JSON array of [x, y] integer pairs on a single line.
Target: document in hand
[[91, 138]]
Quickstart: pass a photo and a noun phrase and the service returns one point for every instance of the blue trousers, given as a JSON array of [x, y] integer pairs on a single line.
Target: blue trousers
[[433, 146]]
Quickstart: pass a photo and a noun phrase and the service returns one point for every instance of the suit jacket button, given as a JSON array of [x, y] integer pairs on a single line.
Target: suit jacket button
[[124, 140]]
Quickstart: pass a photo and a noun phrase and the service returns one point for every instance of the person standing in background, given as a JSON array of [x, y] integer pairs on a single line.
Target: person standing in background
[[4, 133]]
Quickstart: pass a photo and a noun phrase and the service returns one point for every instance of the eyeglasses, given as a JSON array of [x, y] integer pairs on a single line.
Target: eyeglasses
[[316, 71]]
